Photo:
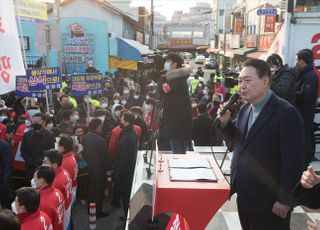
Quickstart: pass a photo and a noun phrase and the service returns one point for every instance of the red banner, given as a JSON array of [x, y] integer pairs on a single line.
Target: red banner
[[269, 23], [265, 42], [177, 222]]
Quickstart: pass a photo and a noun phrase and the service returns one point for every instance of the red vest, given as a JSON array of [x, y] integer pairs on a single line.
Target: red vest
[[3, 132], [69, 163], [35, 220], [63, 182], [52, 203]]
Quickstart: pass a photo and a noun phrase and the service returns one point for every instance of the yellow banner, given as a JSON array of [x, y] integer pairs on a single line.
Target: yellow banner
[[32, 11]]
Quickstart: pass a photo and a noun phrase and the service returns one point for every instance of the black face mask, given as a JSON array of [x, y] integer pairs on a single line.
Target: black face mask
[[36, 126]]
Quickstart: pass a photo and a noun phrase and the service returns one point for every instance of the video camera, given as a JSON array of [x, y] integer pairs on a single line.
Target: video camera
[[156, 62]]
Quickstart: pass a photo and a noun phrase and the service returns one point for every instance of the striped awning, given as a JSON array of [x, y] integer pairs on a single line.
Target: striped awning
[[32, 60]]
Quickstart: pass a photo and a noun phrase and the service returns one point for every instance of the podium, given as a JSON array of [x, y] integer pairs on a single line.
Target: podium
[[196, 201]]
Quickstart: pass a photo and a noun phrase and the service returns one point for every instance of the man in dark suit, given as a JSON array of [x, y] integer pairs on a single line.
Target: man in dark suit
[[96, 156], [201, 128], [268, 152]]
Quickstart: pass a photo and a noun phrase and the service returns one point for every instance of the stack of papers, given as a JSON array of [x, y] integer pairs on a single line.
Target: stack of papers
[[193, 169]]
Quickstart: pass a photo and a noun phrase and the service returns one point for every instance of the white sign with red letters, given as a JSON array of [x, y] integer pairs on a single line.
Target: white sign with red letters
[[11, 62]]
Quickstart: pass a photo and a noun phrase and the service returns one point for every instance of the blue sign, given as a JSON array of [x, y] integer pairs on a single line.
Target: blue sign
[[22, 88], [86, 84], [43, 79], [268, 11]]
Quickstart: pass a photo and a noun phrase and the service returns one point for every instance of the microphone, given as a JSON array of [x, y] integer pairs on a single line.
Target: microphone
[[230, 102]]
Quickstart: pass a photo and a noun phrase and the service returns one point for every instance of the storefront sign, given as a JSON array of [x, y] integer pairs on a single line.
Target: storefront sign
[[250, 41], [86, 84], [265, 42], [269, 23], [32, 11], [238, 25], [77, 48]]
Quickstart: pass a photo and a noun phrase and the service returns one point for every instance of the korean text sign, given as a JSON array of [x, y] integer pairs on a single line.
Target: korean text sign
[[22, 88], [86, 84], [45, 78]]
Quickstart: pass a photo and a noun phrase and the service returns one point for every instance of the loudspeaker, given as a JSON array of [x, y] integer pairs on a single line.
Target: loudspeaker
[[141, 207], [141, 211]]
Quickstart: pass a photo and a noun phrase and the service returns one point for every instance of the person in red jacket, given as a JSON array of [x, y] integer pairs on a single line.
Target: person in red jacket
[[26, 206], [51, 199], [62, 180], [115, 133], [69, 163]]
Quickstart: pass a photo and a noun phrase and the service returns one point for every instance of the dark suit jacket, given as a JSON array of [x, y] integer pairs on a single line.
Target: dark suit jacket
[[201, 130], [268, 161]]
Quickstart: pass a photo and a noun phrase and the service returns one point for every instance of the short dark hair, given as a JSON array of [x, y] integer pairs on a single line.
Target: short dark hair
[[29, 198], [174, 57], [262, 68], [54, 156], [275, 59], [43, 117], [62, 96], [136, 109], [129, 117], [66, 142], [305, 55], [8, 220], [47, 173], [67, 114], [95, 123], [202, 108]]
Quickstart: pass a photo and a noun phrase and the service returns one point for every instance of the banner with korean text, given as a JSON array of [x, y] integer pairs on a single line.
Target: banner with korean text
[[32, 11], [44, 78], [22, 88], [11, 62], [86, 84]]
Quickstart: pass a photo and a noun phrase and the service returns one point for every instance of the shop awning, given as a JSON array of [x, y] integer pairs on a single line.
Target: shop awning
[[256, 55], [229, 53], [115, 63], [202, 47], [212, 50], [131, 50], [244, 51], [32, 60]]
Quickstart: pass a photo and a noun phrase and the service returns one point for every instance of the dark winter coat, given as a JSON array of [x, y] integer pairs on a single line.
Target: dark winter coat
[[6, 164], [177, 116], [284, 84], [125, 159], [201, 130], [307, 94]]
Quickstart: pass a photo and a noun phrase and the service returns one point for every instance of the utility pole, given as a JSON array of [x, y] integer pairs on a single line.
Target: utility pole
[[57, 15], [151, 37], [224, 37]]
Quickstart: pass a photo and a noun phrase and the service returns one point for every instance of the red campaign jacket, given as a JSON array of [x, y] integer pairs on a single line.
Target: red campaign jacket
[[35, 220], [3, 132], [63, 182], [69, 163], [115, 133], [18, 163], [52, 203]]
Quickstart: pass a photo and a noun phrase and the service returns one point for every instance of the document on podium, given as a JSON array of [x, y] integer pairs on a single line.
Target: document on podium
[[192, 174], [192, 169], [189, 163]]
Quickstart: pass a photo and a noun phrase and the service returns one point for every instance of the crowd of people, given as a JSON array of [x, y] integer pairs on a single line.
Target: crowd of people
[[72, 150]]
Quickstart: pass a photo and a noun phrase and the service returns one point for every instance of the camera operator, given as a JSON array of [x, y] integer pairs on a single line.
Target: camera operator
[[177, 117]]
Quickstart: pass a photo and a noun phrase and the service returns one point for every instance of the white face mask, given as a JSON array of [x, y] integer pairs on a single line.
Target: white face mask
[[194, 105], [204, 91], [49, 126], [273, 70], [101, 118], [116, 101], [2, 118], [104, 105], [117, 113], [148, 108], [27, 122], [13, 207], [33, 184], [86, 100], [167, 66], [126, 91], [124, 102], [136, 97]]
